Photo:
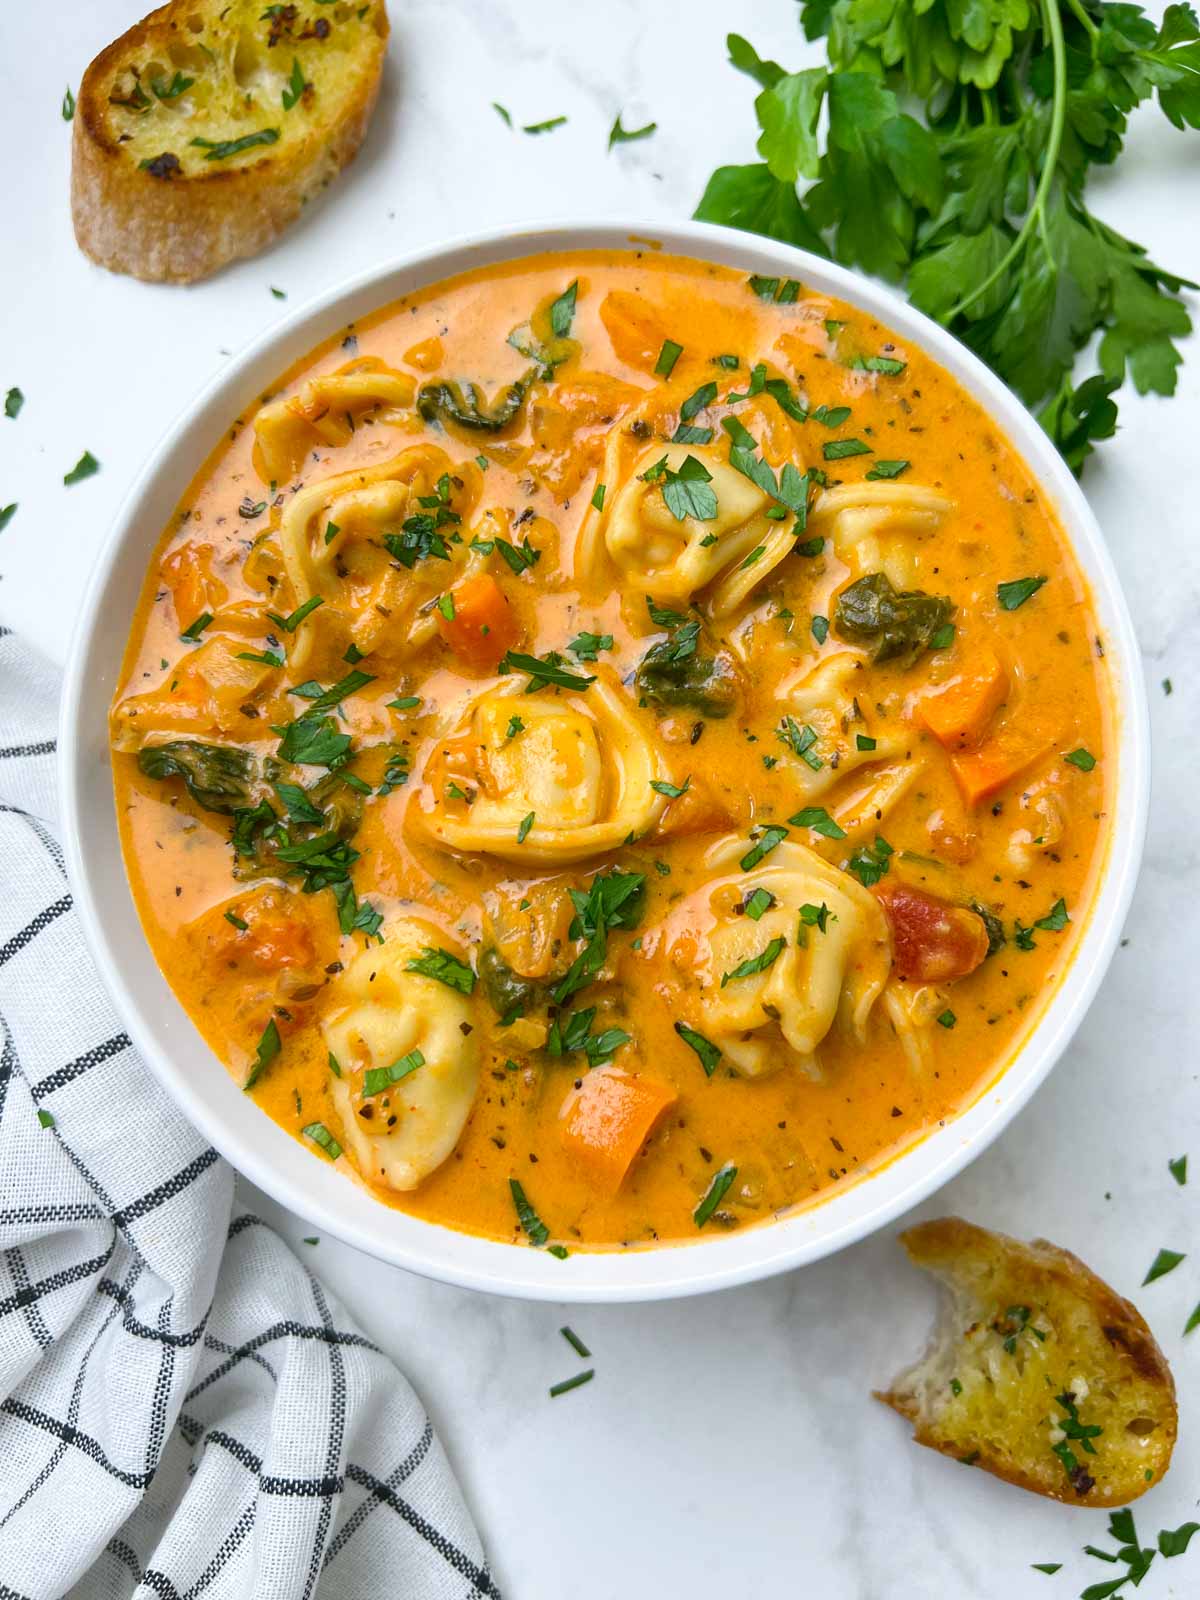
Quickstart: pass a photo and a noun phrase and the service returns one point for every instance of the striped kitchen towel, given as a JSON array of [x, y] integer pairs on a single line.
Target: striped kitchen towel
[[185, 1410]]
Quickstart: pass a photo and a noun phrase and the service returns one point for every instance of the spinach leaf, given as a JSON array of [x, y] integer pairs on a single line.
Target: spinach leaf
[[896, 627], [218, 777]]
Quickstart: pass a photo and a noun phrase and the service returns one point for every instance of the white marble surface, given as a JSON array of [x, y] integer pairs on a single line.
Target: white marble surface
[[729, 1444]]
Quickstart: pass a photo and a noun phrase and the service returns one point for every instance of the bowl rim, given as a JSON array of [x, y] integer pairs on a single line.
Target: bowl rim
[[278, 1164]]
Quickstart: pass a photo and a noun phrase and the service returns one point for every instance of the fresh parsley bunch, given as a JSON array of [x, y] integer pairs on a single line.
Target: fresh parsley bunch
[[978, 205]]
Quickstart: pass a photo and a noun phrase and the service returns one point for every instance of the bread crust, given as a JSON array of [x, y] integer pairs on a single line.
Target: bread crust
[[184, 228], [946, 1246]]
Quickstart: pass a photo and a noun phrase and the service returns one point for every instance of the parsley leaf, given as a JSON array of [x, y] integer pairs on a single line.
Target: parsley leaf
[[446, 968]]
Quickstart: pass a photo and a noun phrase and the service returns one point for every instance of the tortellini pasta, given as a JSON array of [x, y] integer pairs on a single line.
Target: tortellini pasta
[[385, 1016], [635, 534], [323, 413], [332, 540], [202, 695], [874, 527], [824, 699], [769, 989], [543, 778]]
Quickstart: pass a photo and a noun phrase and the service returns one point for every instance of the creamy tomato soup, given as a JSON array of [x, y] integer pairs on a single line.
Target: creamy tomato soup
[[610, 750]]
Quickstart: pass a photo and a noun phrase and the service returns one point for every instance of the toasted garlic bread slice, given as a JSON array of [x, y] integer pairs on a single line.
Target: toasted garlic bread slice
[[1037, 1371], [201, 133]]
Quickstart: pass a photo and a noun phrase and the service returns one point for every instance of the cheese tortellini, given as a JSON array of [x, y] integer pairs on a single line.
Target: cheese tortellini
[[386, 1016], [635, 533], [879, 527], [332, 538], [323, 414], [768, 990], [543, 779], [825, 700]]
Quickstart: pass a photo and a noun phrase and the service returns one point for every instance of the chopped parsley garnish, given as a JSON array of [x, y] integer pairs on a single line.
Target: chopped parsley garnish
[[562, 311], [819, 820], [404, 702], [816, 916], [13, 401], [326, 699], [800, 741], [1048, 1567], [598, 497], [758, 903], [886, 469], [1178, 1169], [765, 843], [297, 804], [524, 826], [667, 357], [290, 623], [1081, 758], [715, 1193], [45, 1118], [587, 646], [1165, 1261], [613, 900], [885, 364], [839, 449], [447, 969], [445, 604], [621, 135], [268, 1048], [863, 741], [947, 1019], [576, 1382], [377, 1079], [753, 965], [515, 726], [1015, 593], [575, 1342], [710, 1056], [702, 397], [6, 515], [1055, 919], [543, 671], [235, 921], [504, 115], [781, 291], [519, 557], [573, 1032], [86, 467], [194, 629], [535, 1229], [314, 741], [661, 617], [831, 416], [172, 90], [942, 638], [321, 1136], [685, 491], [68, 106], [222, 149], [293, 89], [809, 547], [544, 127], [820, 628], [671, 790], [869, 863]]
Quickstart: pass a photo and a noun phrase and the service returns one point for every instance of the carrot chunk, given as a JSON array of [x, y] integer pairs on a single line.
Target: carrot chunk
[[932, 940], [483, 625], [1009, 752], [958, 714], [608, 1118]]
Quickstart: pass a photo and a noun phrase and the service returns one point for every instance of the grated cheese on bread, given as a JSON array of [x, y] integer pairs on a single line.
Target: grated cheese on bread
[[1037, 1372], [202, 132]]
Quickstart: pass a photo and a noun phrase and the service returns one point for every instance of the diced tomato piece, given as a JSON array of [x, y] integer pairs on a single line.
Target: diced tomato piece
[[606, 1121], [932, 940], [483, 626], [277, 934], [958, 713]]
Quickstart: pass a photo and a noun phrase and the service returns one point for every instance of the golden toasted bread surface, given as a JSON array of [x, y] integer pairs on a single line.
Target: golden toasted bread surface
[[203, 131], [1038, 1372]]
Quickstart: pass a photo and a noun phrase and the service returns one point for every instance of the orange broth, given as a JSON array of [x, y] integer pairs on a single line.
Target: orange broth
[[795, 1123]]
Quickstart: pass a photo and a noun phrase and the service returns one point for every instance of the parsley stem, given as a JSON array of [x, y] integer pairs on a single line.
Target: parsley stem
[[1092, 30], [1036, 216]]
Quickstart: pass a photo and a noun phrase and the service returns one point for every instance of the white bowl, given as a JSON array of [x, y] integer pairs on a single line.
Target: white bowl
[[201, 1086]]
